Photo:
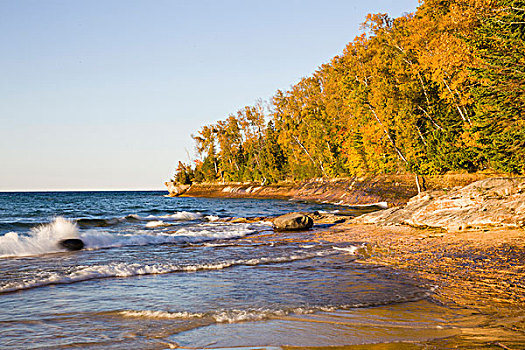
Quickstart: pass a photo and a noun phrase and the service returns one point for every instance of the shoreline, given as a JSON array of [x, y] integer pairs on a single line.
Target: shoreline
[[478, 273], [493, 257], [478, 270], [473, 256], [478, 267], [394, 189]]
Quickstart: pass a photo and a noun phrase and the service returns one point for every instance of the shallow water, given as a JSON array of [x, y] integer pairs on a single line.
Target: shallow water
[[163, 272]]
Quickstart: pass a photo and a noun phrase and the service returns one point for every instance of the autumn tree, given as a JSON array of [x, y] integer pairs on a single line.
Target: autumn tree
[[425, 93]]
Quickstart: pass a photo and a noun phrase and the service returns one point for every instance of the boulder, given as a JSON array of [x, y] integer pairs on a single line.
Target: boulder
[[71, 244], [292, 222]]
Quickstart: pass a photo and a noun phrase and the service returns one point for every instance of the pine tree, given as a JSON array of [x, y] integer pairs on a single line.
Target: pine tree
[[500, 46]]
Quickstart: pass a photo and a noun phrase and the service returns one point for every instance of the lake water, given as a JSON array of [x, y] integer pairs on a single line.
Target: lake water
[[160, 273]]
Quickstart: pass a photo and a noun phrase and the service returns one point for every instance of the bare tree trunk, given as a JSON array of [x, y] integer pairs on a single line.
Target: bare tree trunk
[[429, 117], [398, 151], [420, 134], [465, 118], [308, 154], [418, 185], [423, 86]]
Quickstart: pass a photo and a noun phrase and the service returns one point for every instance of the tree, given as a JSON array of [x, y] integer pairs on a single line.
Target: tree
[[500, 121]]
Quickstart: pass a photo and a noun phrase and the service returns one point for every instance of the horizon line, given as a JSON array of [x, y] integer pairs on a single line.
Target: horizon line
[[80, 190]]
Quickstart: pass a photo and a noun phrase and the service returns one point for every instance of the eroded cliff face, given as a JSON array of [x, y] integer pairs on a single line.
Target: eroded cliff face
[[395, 190], [176, 189], [494, 202]]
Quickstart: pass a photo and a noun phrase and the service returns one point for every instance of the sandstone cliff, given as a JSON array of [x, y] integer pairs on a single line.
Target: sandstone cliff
[[393, 189]]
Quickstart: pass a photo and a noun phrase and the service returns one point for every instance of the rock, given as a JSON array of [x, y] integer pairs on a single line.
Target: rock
[[292, 222], [239, 220], [176, 189], [496, 202], [71, 244], [322, 218]]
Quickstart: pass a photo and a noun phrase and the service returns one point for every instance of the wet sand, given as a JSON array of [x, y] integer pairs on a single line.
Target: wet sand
[[481, 271]]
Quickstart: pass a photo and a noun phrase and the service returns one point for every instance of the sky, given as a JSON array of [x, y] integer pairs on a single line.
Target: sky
[[105, 94]]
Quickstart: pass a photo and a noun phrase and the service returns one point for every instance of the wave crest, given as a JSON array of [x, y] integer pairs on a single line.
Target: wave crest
[[44, 239], [86, 273], [41, 239], [227, 316]]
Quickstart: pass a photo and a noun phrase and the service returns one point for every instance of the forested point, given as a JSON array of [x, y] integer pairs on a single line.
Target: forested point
[[435, 91]]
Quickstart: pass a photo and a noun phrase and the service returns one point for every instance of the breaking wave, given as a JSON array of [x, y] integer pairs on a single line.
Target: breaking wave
[[88, 222], [40, 240], [44, 239], [86, 273], [177, 216], [157, 223], [182, 216], [225, 316], [160, 314]]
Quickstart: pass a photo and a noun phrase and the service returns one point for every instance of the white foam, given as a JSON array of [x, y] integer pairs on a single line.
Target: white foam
[[97, 239], [225, 316], [350, 250], [159, 314], [383, 205], [157, 223], [177, 216], [41, 239], [329, 211], [44, 239], [258, 314], [219, 230], [235, 316], [85, 273], [182, 216]]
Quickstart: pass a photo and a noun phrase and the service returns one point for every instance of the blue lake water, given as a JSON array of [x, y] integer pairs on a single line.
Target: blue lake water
[[162, 272]]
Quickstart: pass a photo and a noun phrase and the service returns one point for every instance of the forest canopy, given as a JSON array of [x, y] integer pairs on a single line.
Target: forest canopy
[[438, 90]]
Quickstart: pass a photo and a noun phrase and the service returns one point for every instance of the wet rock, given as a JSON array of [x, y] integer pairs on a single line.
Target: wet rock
[[71, 244], [322, 218], [292, 222]]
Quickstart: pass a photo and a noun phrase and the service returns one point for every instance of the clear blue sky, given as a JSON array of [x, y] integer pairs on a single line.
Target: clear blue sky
[[104, 94]]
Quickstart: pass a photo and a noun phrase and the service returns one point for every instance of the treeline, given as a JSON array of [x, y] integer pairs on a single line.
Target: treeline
[[442, 89]]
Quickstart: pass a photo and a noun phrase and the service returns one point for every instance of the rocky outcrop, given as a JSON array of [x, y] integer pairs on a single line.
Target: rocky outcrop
[[495, 202], [293, 222], [393, 189], [176, 189], [396, 189]]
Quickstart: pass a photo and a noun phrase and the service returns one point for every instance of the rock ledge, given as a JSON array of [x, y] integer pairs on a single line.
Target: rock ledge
[[495, 202]]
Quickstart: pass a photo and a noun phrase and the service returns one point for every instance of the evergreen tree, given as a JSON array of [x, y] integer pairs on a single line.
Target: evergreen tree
[[500, 120]]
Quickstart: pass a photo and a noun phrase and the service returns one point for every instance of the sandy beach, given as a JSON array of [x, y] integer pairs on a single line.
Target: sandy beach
[[482, 270]]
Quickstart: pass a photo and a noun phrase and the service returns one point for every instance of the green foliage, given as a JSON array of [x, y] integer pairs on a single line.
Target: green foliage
[[184, 174], [500, 121], [430, 92]]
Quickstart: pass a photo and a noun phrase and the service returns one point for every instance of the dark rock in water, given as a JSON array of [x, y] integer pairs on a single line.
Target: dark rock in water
[[71, 244], [292, 222]]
